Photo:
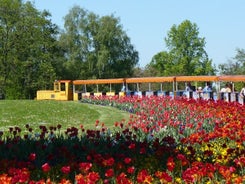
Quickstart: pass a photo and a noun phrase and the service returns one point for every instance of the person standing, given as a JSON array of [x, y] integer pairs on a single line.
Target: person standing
[[207, 88], [188, 90], [242, 92], [207, 91]]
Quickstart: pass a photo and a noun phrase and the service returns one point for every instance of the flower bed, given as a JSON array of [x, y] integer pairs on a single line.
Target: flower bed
[[165, 141]]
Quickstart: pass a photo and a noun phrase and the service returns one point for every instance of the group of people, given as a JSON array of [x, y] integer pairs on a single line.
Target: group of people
[[227, 88], [200, 92]]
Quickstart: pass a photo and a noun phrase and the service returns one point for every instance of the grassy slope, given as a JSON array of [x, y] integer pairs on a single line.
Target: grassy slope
[[51, 113]]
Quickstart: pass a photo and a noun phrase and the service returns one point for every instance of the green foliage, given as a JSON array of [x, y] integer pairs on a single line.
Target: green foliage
[[33, 56], [28, 46], [96, 47], [235, 66], [186, 55]]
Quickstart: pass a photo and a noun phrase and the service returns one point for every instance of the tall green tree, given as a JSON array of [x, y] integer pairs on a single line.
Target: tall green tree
[[186, 54], [28, 47], [96, 47], [234, 66]]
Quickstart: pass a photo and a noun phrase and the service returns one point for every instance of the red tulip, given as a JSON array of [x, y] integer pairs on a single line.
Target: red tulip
[[32, 156], [66, 169], [170, 164], [45, 167], [109, 173], [127, 160]]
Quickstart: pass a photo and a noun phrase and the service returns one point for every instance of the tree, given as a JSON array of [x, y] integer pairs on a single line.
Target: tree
[[185, 55], [234, 66], [96, 47], [28, 49]]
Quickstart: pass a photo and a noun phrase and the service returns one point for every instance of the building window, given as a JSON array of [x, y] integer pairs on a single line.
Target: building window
[[62, 86]]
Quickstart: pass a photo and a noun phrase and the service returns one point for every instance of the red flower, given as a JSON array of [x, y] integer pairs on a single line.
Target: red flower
[[85, 166], [170, 164], [65, 181], [93, 177], [97, 123], [127, 160], [116, 124], [131, 146], [109, 173], [109, 162], [19, 175], [142, 150], [144, 177], [131, 170], [45, 167], [80, 179], [163, 177], [32, 156], [240, 162], [122, 179], [183, 159], [66, 169]]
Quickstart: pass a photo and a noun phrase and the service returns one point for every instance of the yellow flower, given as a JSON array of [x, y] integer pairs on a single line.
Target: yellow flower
[[199, 159], [178, 180]]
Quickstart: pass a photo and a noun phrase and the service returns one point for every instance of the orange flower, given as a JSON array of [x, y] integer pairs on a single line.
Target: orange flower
[[80, 179], [91, 178], [5, 179], [163, 177], [64, 181], [144, 177], [122, 179]]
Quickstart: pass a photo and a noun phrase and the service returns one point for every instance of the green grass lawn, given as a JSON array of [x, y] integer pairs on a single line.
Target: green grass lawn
[[51, 113]]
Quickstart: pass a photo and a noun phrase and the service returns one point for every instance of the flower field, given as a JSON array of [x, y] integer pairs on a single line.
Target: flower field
[[165, 141]]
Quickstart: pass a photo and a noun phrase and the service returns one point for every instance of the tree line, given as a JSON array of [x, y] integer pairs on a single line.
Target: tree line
[[34, 51]]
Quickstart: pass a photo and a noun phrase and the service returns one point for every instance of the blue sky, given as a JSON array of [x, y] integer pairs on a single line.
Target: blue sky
[[220, 22]]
